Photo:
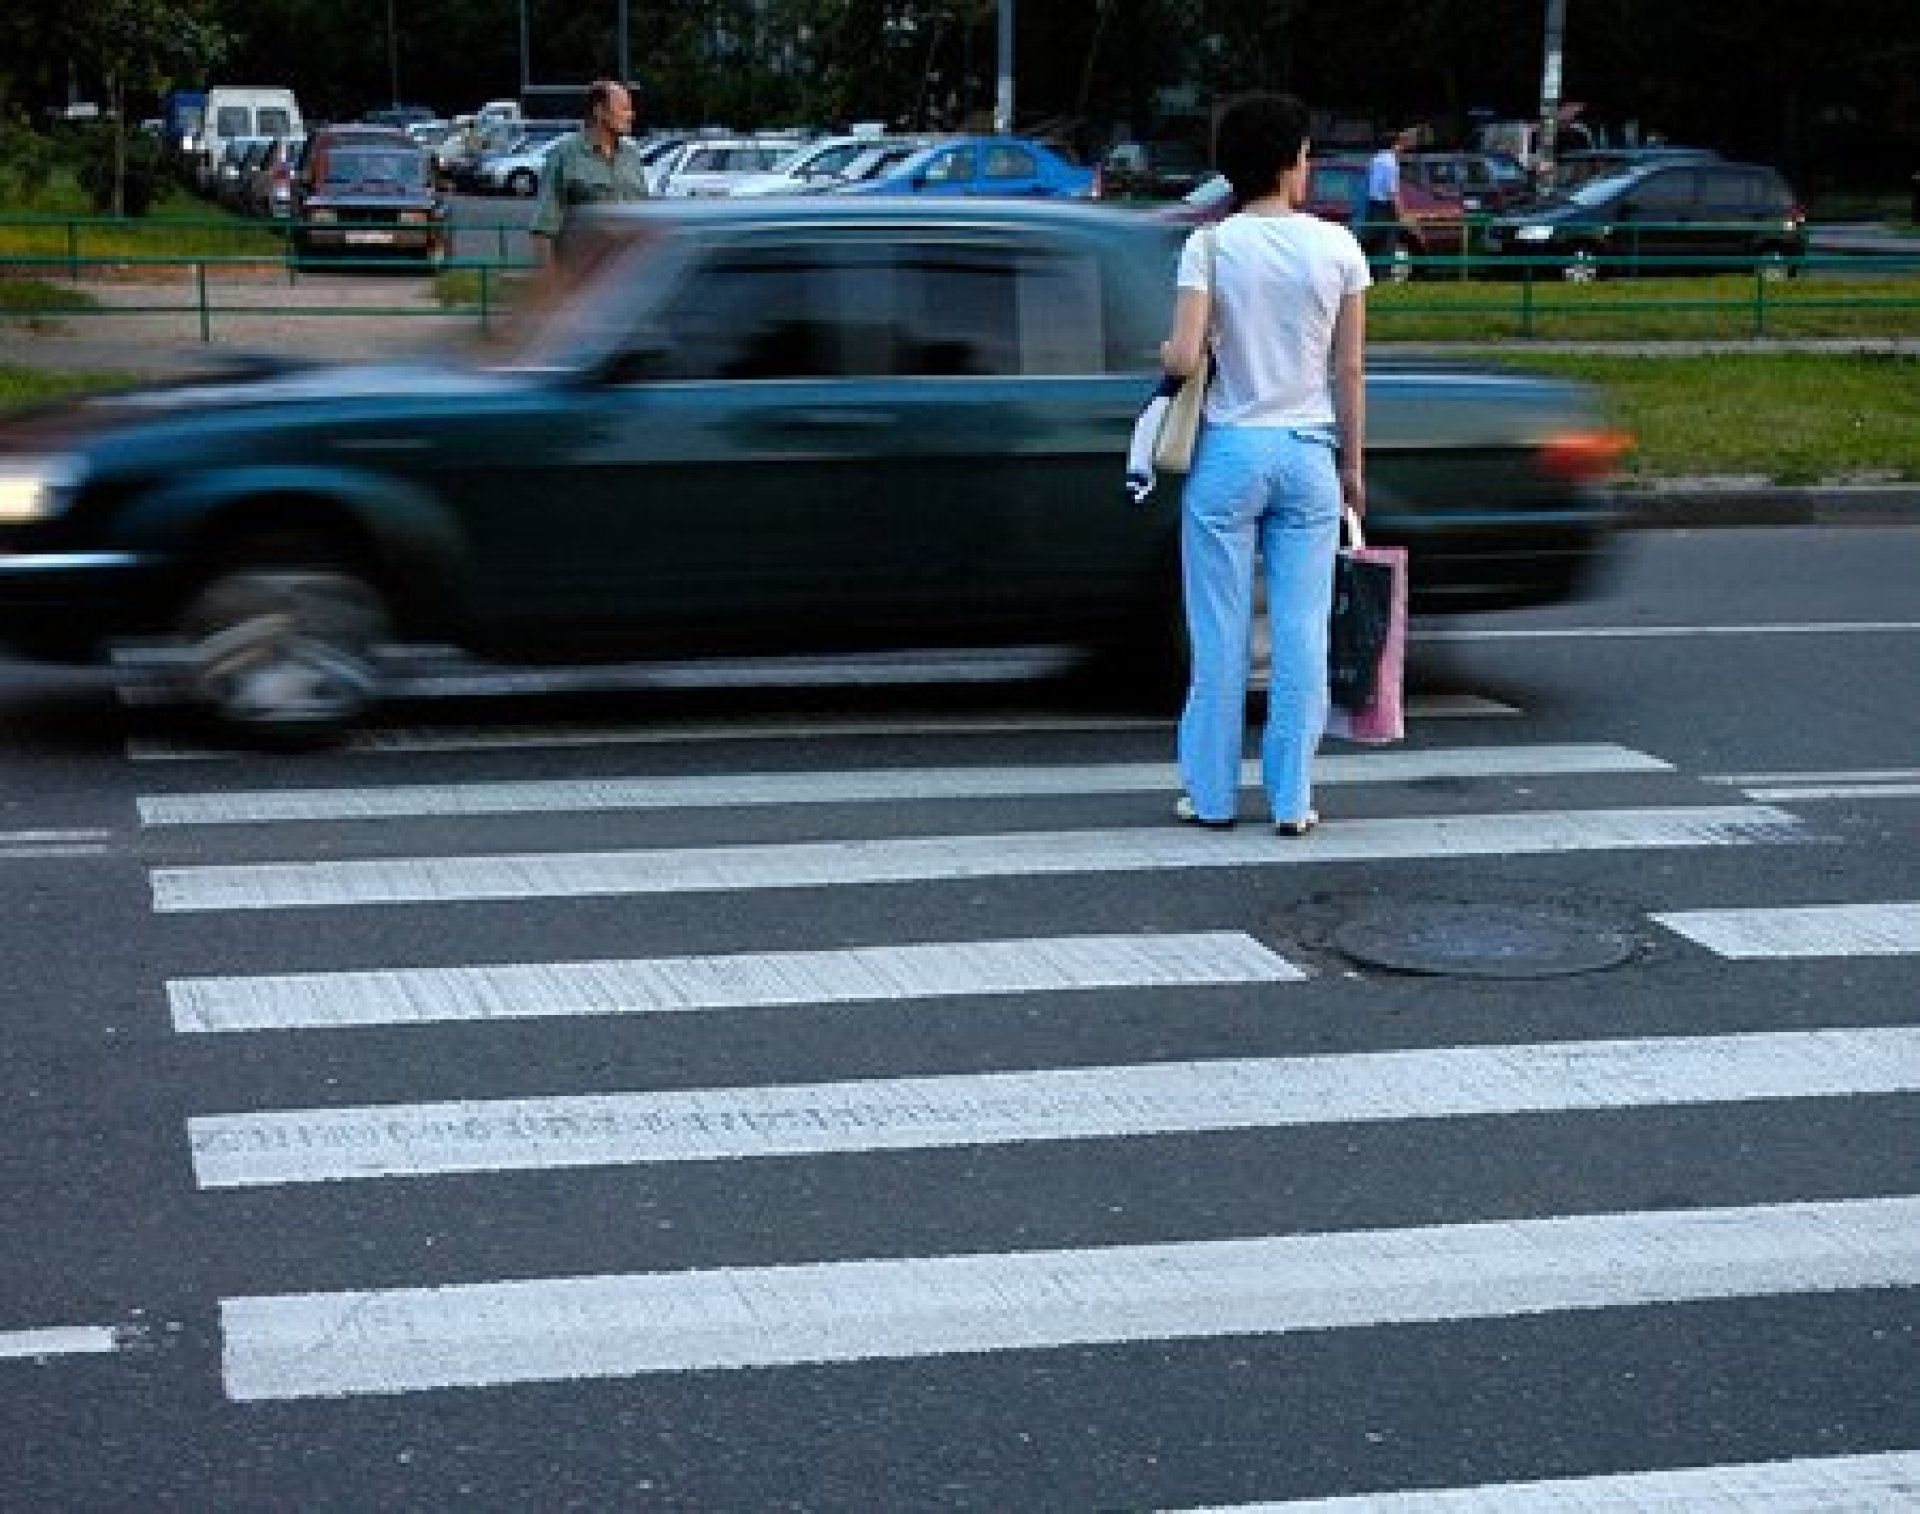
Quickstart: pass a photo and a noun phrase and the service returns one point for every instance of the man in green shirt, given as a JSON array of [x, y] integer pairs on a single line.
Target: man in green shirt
[[598, 165]]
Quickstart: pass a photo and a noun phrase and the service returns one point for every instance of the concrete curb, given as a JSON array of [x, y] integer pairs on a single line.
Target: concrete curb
[[1664, 504]]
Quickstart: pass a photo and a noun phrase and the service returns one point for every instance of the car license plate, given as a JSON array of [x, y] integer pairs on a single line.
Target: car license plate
[[364, 238]]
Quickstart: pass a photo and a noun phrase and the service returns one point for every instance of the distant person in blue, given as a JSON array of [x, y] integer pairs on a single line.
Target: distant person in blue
[[598, 165], [1384, 210], [1279, 454]]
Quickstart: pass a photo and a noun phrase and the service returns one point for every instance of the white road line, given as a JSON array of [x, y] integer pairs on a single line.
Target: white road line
[[1821, 930], [1842, 775], [21, 845], [831, 864], [406, 740], [757, 980], [1671, 632], [58, 1340], [555, 1330], [733, 791], [1078, 1104], [1874, 1483], [1810, 791]]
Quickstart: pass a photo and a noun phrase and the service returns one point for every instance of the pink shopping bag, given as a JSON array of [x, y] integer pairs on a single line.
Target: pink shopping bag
[[1382, 718]]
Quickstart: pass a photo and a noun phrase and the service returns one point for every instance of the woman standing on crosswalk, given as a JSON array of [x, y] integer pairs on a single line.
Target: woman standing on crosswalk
[[1282, 301]]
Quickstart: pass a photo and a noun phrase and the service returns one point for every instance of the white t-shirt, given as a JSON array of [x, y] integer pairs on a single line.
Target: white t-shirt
[[1281, 280]]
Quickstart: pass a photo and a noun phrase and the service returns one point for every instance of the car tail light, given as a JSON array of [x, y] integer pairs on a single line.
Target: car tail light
[[1584, 457]]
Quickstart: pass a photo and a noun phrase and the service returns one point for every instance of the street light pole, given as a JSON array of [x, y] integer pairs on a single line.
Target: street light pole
[[1550, 79], [393, 61], [1003, 93]]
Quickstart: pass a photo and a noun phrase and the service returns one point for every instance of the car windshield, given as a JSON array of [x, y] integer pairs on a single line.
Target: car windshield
[[364, 167]]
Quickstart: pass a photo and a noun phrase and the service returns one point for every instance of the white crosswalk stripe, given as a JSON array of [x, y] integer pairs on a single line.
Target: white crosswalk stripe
[[398, 801], [985, 1295], [1888, 1483], [1816, 930], [682, 985], [901, 1114], [487, 1334], [830, 864]]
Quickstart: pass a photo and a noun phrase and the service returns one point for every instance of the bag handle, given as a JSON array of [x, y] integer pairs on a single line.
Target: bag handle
[[1356, 538]]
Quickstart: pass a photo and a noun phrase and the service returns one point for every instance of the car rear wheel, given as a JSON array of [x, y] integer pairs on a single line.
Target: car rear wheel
[[284, 651], [522, 182]]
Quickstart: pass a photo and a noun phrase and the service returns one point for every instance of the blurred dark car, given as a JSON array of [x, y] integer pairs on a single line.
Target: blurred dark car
[[1436, 224], [1150, 170], [1659, 219], [807, 424], [371, 200]]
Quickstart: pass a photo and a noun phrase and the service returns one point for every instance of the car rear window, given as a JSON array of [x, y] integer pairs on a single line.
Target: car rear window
[[365, 166]]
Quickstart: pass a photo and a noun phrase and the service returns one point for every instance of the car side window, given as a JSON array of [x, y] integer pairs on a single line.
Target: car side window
[[781, 311], [953, 167], [1005, 162], [1662, 195], [992, 309], [1729, 194]]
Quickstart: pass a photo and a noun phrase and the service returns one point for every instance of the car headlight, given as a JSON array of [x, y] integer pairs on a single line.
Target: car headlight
[[1533, 234], [35, 488]]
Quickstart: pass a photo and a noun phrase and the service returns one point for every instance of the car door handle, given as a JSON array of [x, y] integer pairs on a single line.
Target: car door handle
[[827, 418]]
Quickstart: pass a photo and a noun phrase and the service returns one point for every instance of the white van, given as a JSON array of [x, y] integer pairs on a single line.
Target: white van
[[244, 110]]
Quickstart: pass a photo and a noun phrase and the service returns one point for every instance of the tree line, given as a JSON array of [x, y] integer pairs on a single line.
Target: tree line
[[1797, 85]]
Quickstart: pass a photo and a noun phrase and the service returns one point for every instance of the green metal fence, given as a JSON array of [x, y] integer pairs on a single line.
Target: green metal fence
[[93, 269]]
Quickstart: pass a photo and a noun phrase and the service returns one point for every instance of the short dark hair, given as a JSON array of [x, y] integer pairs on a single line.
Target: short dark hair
[[600, 91], [1257, 139]]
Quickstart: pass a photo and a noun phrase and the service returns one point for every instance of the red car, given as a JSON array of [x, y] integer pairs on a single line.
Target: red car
[[1436, 224]]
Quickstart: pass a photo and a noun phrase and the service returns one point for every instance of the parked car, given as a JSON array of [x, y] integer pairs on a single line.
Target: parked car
[[1436, 224], [269, 190], [736, 431], [311, 163], [228, 186], [1486, 182], [1156, 170], [463, 168], [997, 166], [371, 200], [1572, 169], [713, 166], [517, 172], [822, 164], [1705, 217]]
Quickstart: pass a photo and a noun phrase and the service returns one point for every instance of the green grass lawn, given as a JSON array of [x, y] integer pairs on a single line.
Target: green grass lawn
[[1724, 307], [1789, 417]]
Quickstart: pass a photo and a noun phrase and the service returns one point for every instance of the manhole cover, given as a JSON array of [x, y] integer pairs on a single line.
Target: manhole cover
[[1457, 938]]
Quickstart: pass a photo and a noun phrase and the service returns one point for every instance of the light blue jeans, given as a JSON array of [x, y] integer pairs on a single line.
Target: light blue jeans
[[1276, 489]]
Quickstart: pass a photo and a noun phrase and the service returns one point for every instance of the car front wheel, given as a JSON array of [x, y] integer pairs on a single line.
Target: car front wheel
[[285, 653], [522, 182]]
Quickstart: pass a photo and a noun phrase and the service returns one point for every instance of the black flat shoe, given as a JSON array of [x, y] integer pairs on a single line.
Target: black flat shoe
[[1186, 814]]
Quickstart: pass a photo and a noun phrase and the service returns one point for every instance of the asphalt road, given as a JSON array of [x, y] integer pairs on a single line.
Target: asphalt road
[[921, 1120]]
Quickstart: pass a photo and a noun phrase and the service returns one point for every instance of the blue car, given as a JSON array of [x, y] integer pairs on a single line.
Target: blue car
[[996, 166]]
